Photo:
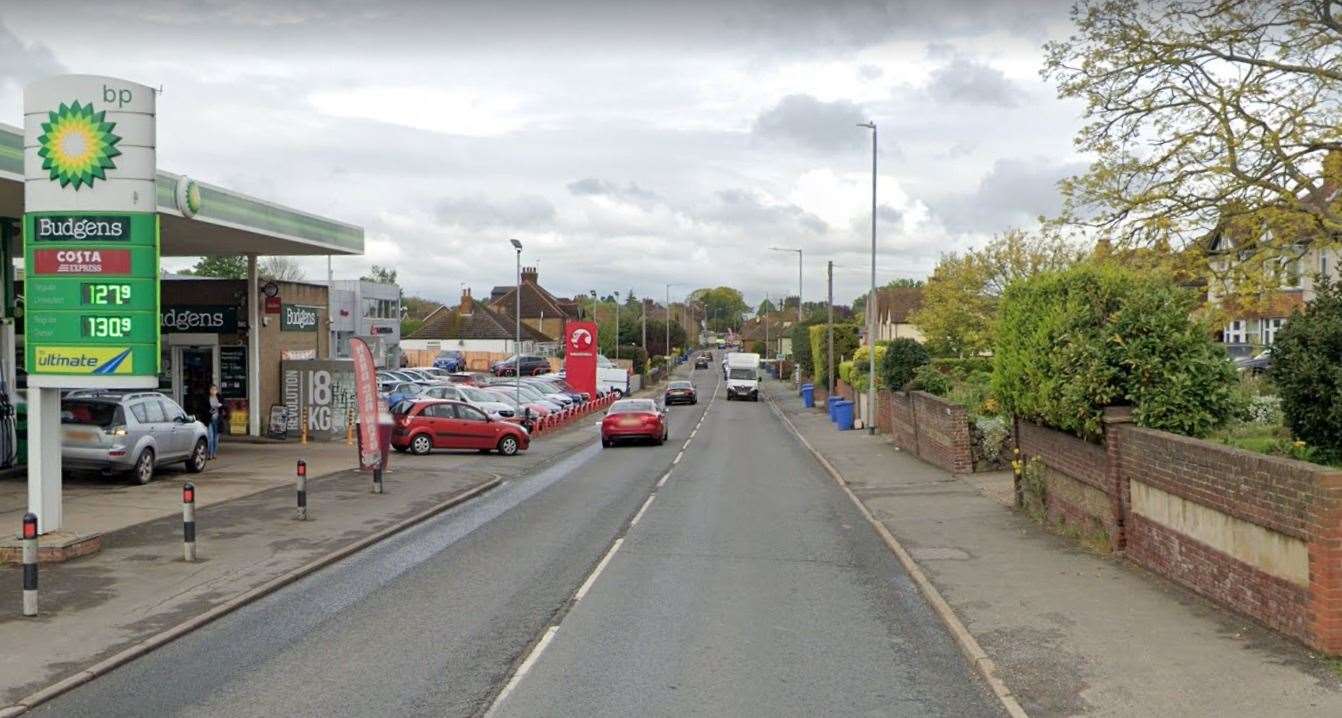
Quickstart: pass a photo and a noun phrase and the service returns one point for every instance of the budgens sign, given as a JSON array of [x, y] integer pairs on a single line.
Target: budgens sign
[[91, 233], [298, 318]]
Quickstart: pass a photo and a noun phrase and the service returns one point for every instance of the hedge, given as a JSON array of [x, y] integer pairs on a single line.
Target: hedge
[[1307, 371], [1073, 342], [845, 343]]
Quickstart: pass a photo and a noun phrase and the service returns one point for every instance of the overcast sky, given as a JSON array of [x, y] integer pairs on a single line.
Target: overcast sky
[[627, 144]]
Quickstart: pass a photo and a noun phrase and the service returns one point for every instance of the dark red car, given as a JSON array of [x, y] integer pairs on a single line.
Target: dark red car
[[680, 392], [630, 419], [442, 424]]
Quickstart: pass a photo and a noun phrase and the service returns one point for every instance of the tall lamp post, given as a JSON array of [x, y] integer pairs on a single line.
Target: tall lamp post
[[617, 325], [799, 256], [871, 298], [517, 340], [669, 285]]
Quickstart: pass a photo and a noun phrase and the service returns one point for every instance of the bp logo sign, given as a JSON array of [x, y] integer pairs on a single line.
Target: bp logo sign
[[77, 145]]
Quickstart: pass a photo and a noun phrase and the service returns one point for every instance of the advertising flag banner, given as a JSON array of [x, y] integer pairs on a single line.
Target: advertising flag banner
[[366, 398], [580, 349]]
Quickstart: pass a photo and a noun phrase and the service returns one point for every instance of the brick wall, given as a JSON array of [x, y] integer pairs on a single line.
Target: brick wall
[[884, 408], [1258, 534], [931, 428]]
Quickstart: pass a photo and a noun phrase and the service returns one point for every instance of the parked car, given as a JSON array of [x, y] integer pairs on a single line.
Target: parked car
[[403, 391], [551, 391], [129, 432], [424, 375], [473, 378], [529, 411], [481, 400], [528, 393], [450, 360], [558, 383], [1257, 364], [441, 424], [701, 361], [610, 377], [680, 392], [634, 419], [531, 365]]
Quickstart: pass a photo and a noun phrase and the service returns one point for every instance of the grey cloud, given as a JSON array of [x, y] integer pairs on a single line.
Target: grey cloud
[[591, 186], [806, 121], [1014, 192], [21, 64], [869, 72], [478, 212], [744, 208], [968, 82]]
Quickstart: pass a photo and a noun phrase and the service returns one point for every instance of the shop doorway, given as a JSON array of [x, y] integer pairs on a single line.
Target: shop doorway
[[195, 369]]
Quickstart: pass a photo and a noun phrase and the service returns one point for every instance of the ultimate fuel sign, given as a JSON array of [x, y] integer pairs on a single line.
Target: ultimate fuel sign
[[91, 233]]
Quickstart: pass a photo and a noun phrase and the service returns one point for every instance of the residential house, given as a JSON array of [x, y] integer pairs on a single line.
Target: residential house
[[894, 308], [541, 310], [472, 326]]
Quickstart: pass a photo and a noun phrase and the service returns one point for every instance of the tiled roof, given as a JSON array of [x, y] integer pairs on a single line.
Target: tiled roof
[[481, 323], [536, 303], [894, 305]]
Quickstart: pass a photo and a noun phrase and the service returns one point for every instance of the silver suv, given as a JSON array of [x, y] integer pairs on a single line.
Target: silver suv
[[133, 431]]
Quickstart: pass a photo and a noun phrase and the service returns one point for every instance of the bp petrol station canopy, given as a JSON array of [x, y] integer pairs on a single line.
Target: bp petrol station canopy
[[227, 223]]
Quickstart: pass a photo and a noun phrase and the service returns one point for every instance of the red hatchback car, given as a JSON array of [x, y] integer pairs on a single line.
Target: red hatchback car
[[441, 424], [633, 419]]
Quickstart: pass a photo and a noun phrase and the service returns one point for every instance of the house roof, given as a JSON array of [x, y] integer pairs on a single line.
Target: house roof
[[536, 301], [479, 322], [894, 305]]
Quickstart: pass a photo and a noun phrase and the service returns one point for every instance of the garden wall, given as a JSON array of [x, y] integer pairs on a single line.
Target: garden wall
[[931, 428], [1258, 534]]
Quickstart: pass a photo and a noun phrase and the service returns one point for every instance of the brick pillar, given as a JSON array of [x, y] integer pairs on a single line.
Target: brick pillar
[[1325, 565], [1017, 462], [1115, 418]]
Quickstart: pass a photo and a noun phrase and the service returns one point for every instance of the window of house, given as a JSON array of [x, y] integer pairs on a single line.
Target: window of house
[[1291, 271], [1234, 333], [1270, 329]]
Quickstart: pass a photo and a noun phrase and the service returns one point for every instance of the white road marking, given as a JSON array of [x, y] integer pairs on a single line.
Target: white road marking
[[523, 669], [638, 516], [686, 445], [662, 481], [587, 585], [677, 459]]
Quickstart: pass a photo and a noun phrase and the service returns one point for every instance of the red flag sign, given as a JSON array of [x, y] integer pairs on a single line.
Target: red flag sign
[[366, 398]]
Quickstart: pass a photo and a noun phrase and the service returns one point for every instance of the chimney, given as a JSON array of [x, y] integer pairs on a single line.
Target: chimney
[[467, 305], [528, 275]]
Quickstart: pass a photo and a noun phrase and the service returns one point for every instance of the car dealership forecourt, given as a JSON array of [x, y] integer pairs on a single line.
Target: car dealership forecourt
[[97, 215]]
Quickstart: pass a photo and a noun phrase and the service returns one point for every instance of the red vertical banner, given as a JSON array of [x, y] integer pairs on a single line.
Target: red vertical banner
[[366, 399], [580, 349]]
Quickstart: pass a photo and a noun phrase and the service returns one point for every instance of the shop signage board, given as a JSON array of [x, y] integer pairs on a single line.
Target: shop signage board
[[233, 372], [202, 318], [91, 234], [580, 348], [299, 318], [320, 392]]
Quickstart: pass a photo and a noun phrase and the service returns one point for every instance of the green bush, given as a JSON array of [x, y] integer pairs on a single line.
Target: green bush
[[844, 372], [1070, 343], [928, 379], [1307, 371], [862, 365], [961, 367], [845, 342], [902, 359], [801, 347]]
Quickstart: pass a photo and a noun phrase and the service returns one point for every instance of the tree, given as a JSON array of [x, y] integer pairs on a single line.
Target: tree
[[1307, 372], [1205, 115], [280, 269], [722, 305], [960, 300], [766, 307], [902, 359], [378, 273], [860, 304], [223, 267]]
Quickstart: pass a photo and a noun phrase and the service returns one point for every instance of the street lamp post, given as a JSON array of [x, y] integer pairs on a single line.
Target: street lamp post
[[829, 307], [617, 325], [669, 285], [871, 299], [799, 257], [517, 338]]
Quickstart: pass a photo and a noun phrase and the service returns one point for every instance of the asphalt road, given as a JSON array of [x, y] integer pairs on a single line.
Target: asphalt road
[[748, 586]]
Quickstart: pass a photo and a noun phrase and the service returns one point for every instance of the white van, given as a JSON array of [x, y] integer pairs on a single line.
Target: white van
[[743, 376], [610, 377]]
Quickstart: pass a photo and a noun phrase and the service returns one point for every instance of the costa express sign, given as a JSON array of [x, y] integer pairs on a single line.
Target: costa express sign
[[580, 349]]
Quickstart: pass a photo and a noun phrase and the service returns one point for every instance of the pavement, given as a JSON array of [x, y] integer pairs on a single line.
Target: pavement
[[102, 504], [727, 577], [1070, 632], [138, 586]]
